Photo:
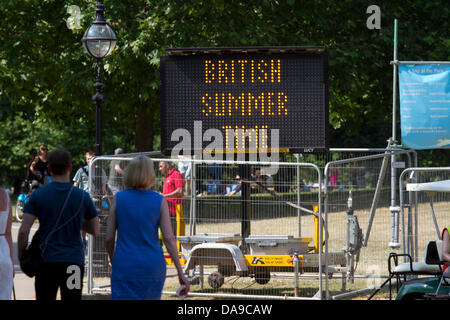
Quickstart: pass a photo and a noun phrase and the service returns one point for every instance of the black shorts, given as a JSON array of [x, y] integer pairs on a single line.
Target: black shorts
[[67, 277]]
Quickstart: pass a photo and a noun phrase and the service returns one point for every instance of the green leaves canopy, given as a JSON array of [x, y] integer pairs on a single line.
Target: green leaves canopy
[[46, 79]]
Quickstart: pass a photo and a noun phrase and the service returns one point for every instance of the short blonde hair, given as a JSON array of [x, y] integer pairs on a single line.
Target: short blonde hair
[[140, 174]]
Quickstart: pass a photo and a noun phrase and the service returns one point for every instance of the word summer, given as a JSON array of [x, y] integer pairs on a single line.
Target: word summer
[[245, 104], [242, 71]]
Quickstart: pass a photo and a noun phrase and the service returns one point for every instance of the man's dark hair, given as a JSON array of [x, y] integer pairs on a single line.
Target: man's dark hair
[[59, 161]]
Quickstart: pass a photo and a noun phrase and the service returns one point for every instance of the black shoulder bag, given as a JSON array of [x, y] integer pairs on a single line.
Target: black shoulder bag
[[32, 254]]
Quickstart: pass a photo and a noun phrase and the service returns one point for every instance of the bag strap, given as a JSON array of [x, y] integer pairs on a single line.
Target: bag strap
[[76, 213], [85, 171], [57, 221]]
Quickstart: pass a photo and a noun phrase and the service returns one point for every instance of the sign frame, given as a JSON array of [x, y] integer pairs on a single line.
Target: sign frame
[[288, 51]]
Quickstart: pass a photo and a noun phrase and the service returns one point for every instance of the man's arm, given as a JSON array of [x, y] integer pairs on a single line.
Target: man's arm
[[235, 190], [104, 181], [91, 222], [92, 226], [118, 169], [24, 232], [177, 193], [77, 178]]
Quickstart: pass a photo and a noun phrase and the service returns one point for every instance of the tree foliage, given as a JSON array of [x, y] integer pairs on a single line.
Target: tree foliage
[[46, 78]]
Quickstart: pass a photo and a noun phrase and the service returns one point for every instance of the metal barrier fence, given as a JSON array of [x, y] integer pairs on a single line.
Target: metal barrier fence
[[263, 215], [362, 211], [267, 227], [226, 237], [425, 207]]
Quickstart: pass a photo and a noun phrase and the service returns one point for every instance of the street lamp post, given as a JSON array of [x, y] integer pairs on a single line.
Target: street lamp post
[[99, 41]]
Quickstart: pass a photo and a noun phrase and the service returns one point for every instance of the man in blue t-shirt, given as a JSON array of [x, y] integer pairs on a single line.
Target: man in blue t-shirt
[[63, 211], [212, 185]]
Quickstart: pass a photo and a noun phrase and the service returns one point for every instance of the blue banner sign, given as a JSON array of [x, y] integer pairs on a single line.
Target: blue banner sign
[[425, 106]]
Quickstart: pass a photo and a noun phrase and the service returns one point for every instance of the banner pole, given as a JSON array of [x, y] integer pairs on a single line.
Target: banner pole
[[394, 91], [393, 208]]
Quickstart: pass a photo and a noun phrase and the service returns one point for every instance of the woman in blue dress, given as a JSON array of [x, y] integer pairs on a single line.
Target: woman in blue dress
[[138, 264]]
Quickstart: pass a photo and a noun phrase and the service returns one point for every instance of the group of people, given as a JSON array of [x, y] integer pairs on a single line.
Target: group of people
[[213, 185], [65, 210], [114, 181], [259, 183]]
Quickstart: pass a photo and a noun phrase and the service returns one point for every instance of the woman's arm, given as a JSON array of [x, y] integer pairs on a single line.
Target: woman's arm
[[111, 231], [171, 244], [446, 246], [35, 161], [8, 234]]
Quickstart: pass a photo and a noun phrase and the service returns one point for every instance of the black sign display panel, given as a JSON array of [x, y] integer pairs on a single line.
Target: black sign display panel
[[254, 92]]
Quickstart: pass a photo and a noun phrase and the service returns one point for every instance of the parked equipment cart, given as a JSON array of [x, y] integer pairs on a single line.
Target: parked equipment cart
[[266, 254]]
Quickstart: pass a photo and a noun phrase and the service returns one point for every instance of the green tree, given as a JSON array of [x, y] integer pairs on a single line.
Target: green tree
[[46, 78]]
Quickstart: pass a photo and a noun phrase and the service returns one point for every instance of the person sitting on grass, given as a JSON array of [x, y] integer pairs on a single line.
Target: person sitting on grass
[[235, 188], [212, 185]]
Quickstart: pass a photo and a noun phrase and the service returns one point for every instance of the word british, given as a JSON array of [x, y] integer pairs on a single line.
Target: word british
[[242, 71]]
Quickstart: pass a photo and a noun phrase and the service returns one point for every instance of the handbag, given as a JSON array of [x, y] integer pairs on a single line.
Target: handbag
[[31, 257], [32, 254]]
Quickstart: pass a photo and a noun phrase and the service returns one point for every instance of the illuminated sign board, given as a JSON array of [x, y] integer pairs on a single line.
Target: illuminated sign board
[[248, 91]]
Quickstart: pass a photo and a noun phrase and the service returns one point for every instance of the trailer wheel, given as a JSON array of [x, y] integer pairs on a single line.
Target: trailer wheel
[[262, 276], [226, 270], [215, 280]]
